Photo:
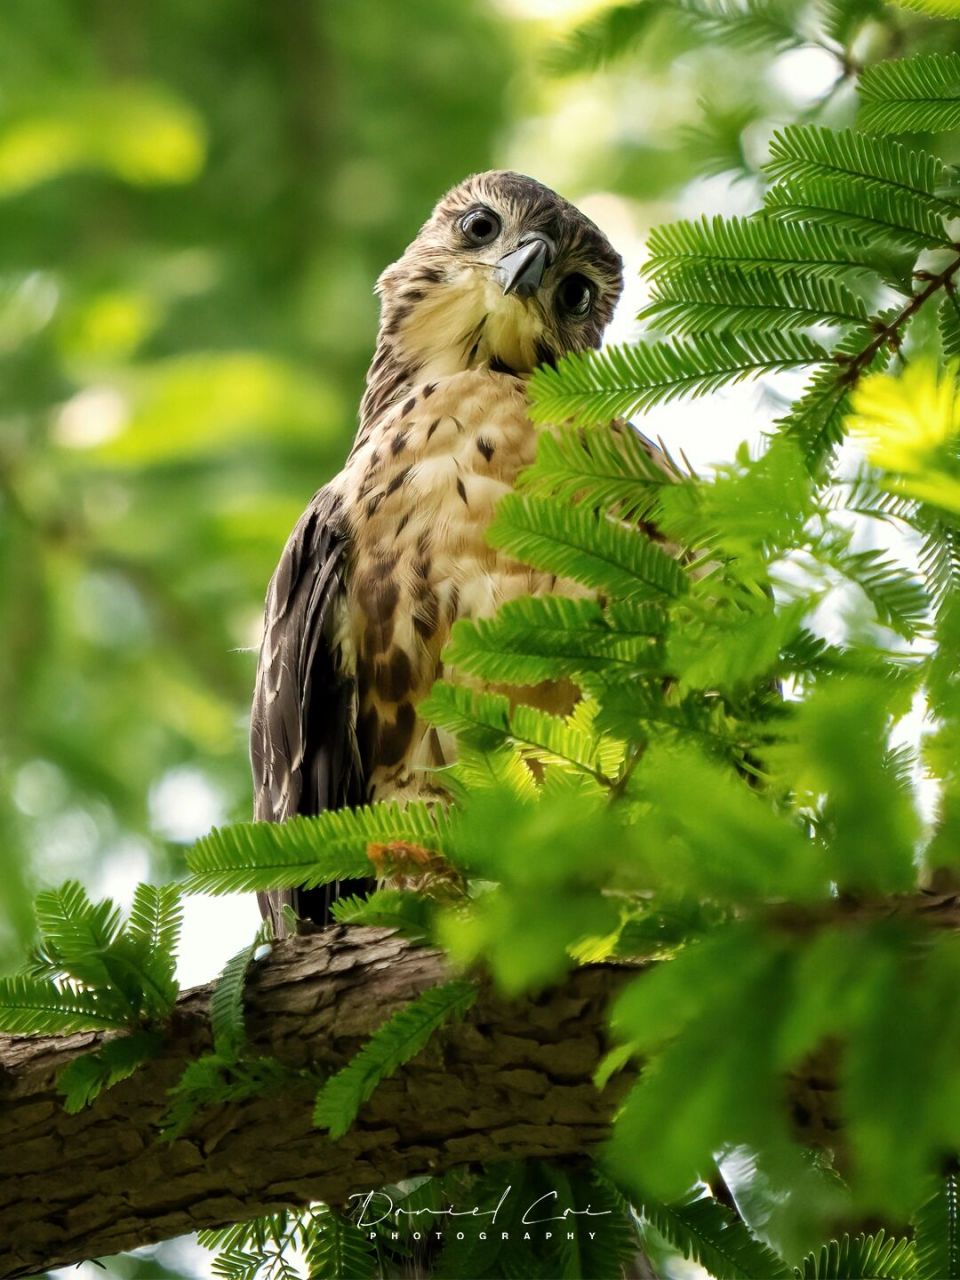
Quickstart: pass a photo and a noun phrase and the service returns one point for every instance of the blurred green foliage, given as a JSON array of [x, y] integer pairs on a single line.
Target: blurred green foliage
[[195, 202]]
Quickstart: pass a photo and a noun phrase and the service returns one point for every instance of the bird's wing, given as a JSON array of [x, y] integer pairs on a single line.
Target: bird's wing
[[303, 744]]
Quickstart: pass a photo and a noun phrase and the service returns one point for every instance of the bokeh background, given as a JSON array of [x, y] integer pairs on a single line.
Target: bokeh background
[[195, 202]]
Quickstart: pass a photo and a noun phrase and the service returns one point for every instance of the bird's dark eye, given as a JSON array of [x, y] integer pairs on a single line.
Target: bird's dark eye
[[480, 226], [575, 294]]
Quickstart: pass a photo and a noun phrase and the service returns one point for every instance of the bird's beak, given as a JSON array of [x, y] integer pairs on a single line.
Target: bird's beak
[[521, 271]]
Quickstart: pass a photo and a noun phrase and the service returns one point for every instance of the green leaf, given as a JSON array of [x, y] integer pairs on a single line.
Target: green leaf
[[40, 1006], [807, 152], [875, 1257], [226, 1003], [859, 207], [396, 1042], [749, 244], [949, 321], [153, 936], [575, 543], [388, 909], [551, 637], [487, 721], [613, 466], [912, 95], [336, 1249], [611, 34], [723, 297], [707, 1232], [306, 851], [77, 933], [936, 1229], [87, 1076], [618, 381]]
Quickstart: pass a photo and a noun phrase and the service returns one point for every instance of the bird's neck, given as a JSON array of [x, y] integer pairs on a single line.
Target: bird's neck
[[390, 376]]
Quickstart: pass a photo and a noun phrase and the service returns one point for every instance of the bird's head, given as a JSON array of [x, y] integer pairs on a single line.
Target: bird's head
[[504, 274]]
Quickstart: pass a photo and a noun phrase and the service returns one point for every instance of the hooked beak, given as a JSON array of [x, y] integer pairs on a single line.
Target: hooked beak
[[521, 271]]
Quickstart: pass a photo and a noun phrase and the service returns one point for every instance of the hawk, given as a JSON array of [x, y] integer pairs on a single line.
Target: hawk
[[504, 275]]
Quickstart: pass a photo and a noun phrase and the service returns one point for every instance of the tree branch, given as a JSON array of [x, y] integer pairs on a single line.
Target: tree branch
[[513, 1081]]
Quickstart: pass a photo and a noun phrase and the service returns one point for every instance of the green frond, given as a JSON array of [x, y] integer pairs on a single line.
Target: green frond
[[155, 919], [898, 598], [743, 24], [589, 386], [87, 1076], [388, 909], [912, 95], [807, 152], [40, 1006], [254, 1233], [707, 1232], [940, 560], [715, 143], [842, 20], [817, 421], [933, 8], [749, 244], [573, 542], [614, 1247], [607, 466], [77, 933], [486, 722], [936, 1230], [151, 939], [860, 208], [336, 1249], [722, 297], [503, 769], [226, 1003], [306, 851], [396, 1042], [551, 637], [611, 34], [949, 324], [875, 1257]]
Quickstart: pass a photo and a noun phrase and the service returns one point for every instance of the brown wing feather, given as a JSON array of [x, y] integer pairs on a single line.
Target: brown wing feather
[[303, 745]]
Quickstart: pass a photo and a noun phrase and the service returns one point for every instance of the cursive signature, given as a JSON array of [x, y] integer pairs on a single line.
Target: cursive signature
[[377, 1206]]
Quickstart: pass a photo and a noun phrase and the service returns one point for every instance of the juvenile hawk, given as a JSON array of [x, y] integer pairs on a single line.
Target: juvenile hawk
[[505, 275]]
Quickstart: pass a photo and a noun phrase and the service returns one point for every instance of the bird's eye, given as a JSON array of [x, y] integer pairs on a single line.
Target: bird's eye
[[480, 226], [575, 294]]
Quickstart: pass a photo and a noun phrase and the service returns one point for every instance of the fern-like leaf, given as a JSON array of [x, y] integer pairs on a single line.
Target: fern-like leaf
[[875, 1257], [749, 244], [912, 95], [40, 1006], [336, 1249], [610, 467], [575, 543], [396, 1042], [806, 152], [936, 1229], [226, 1003], [306, 851], [590, 386], [856, 206], [486, 722], [87, 1076], [722, 297], [611, 34], [703, 1229], [550, 637]]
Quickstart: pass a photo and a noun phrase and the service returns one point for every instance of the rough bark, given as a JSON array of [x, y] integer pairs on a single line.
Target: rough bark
[[513, 1080]]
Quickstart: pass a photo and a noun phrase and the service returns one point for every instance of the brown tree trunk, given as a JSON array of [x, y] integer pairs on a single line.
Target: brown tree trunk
[[514, 1080]]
